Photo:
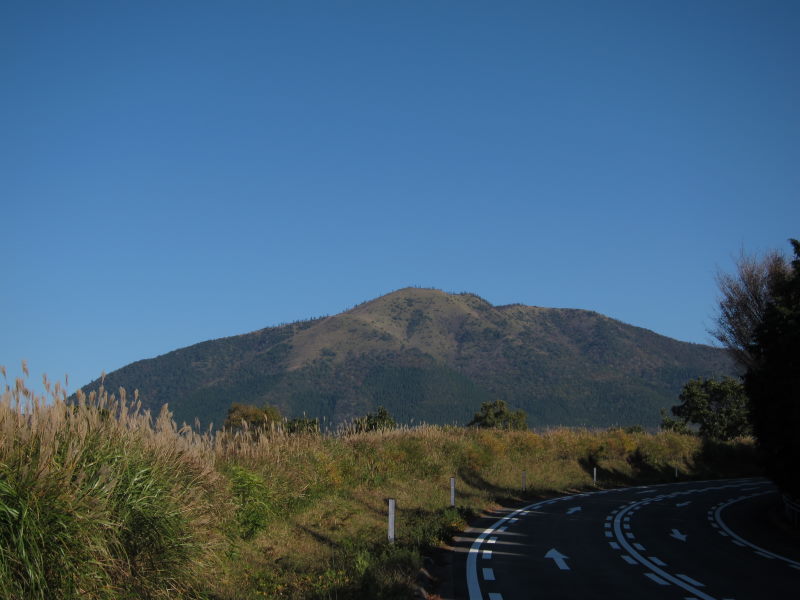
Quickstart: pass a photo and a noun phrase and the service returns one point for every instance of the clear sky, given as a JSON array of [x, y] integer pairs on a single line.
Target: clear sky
[[172, 172]]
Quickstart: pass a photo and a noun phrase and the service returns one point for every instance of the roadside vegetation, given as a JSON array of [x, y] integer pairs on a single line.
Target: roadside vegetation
[[101, 500]]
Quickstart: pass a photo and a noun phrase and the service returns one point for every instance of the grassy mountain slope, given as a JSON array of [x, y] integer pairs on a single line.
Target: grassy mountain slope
[[431, 356]]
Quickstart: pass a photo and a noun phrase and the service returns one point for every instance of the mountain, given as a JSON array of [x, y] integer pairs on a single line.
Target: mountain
[[430, 356]]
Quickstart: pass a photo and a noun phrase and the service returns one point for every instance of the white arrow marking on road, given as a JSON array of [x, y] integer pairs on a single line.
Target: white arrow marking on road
[[681, 504], [678, 535], [558, 558], [573, 510]]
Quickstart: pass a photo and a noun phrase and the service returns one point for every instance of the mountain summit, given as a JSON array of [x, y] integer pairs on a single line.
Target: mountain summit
[[430, 356]]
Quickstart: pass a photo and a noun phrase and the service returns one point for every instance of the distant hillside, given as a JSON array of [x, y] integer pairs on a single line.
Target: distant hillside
[[431, 356]]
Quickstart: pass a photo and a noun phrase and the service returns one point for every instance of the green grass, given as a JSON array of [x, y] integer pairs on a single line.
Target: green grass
[[99, 500]]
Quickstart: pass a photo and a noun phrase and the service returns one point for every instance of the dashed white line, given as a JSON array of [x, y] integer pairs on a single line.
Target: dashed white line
[[495, 596], [737, 538], [638, 546], [614, 545], [488, 574], [629, 560], [656, 578], [656, 561], [689, 580], [657, 574], [487, 554]]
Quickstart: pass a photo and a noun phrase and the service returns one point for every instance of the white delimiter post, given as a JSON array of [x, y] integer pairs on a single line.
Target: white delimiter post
[[452, 491], [392, 507], [594, 475]]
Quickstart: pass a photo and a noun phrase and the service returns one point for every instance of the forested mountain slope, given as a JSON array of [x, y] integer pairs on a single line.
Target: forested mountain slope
[[427, 355]]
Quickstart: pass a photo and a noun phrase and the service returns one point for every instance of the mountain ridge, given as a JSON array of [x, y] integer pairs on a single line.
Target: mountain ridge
[[428, 355]]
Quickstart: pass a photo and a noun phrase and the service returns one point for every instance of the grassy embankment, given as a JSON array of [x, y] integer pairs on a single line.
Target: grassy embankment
[[101, 501]]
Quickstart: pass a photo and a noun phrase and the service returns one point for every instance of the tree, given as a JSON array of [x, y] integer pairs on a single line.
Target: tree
[[744, 300], [670, 424], [252, 416], [772, 380], [302, 425], [496, 414], [719, 408], [374, 422]]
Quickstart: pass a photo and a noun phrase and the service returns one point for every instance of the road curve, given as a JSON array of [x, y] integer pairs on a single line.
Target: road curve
[[709, 540]]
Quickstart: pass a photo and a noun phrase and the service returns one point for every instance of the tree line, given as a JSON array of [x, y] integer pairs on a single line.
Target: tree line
[[759, 324]]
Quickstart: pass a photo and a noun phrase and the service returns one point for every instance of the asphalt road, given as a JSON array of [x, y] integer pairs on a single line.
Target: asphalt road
[[705, 540]]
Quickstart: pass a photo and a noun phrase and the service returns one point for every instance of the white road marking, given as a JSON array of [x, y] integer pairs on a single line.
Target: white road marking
[[656, 578], [607, 525], [574, 509], [473, 584], [495, 596], [630, 536], [609, 534], [491, 540], [503, 528], [614, 545], [629, 560], [656, 561], [638, 546], [688, 579], [738, 543], [657, 574], [488, 574], [678, 535], [735, 537], [558, 558]]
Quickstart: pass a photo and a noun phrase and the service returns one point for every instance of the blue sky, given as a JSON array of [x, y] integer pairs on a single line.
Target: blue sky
[[172, 172]]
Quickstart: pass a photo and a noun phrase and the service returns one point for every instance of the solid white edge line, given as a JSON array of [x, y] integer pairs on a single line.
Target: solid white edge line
[[657, 572], [736, 537], [473, 586]]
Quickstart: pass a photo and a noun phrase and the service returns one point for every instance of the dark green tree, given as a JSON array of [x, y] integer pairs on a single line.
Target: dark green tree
[[496, 414], [253, 417], [302, 425], [773, 381], [718, 408], [374, 422], [669, 423]]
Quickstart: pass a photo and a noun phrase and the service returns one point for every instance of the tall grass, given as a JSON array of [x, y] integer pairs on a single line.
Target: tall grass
[[99, 499]]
